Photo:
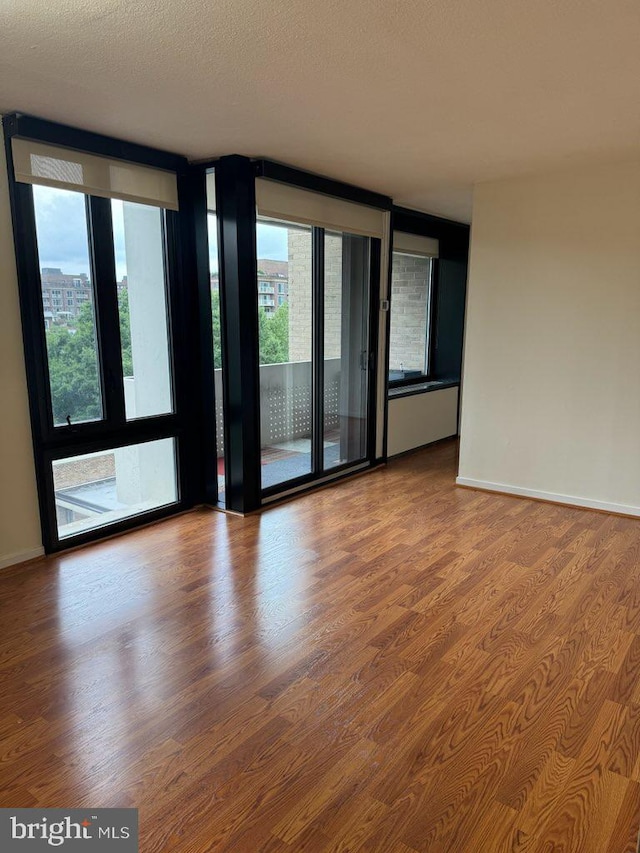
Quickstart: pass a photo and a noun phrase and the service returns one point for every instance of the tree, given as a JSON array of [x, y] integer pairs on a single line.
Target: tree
[[273, 333], [125, 333], [217, 339], [72, 353], [74, 363]]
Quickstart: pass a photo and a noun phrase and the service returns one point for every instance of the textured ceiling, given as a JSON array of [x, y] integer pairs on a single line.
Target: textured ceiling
[[418, 99]]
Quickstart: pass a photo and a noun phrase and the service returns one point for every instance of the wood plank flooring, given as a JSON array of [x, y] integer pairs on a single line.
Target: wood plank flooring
[[392, 664]]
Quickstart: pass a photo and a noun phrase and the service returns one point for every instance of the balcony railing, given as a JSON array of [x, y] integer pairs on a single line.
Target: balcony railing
[[285, 401]]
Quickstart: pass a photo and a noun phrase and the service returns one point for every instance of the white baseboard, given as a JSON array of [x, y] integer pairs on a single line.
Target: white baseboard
[[20, 557], [552, 497]]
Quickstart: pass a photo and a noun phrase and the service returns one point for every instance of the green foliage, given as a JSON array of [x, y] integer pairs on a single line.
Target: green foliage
[[73, 361], [273, 331], [125, 333], [274, 335], [215, 318], [73, 364]]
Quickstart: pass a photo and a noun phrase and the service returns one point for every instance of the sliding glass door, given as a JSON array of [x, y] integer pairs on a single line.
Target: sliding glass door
[[313, 290]]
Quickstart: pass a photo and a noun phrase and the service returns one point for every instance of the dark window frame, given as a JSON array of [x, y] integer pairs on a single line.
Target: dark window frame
[[318, 472], [430, 325], [52, 442]]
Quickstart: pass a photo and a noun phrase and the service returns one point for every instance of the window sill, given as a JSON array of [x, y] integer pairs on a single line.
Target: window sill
[[422, 388]]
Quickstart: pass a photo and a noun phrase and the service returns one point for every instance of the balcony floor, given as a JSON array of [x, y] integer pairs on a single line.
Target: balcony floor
[[283, 462], [288, 460]]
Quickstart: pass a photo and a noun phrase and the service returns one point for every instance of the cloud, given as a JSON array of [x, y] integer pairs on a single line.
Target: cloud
[[272, 242], [61, 227]]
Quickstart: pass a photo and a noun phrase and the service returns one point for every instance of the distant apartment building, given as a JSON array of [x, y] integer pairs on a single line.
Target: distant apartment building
[[63, 295], [273, 284]]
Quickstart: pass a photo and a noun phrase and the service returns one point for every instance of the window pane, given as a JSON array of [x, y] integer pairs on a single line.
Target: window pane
[[346, 344], [68, 303], [285, 328], [216, 323], [98, 489], [410, 301], [142, 302]]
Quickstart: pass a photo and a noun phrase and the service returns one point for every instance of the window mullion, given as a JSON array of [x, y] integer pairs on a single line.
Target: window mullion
[[427, 331], [433, 310], [107, 313], [317, 385]]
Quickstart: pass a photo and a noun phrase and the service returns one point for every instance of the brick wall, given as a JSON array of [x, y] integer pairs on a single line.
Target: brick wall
[[300, 295], [409, 291], [410, 277], [332, 295]]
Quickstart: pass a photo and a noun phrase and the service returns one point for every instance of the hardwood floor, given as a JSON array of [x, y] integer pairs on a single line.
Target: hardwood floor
[[393, 664]]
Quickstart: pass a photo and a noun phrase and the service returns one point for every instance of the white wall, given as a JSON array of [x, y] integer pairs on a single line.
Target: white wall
[[20, 536], [421, 418], [551, 384]]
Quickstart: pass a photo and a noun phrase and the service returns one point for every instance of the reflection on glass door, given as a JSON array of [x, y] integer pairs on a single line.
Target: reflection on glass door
[[346, 346], [285, 323]]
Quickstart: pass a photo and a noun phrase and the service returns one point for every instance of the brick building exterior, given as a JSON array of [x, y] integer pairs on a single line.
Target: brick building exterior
[[410, 278], [273, 284], [410, 292], [300, 295], [63, 295]]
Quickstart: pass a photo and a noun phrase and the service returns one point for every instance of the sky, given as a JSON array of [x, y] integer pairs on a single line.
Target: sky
[[272, 242], [63, 242], [62, 230]]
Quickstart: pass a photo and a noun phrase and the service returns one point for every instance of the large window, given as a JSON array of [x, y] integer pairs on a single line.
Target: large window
[[98, 241], [412, 294]]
